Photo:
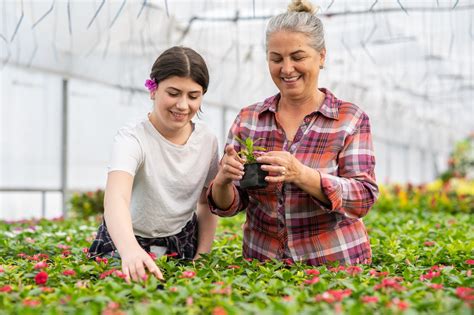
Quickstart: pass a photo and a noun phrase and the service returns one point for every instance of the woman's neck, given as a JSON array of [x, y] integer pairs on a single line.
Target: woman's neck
[[301, 105], [179, 136]]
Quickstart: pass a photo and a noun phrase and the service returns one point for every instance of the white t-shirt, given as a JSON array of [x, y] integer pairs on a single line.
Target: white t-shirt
[[168, 178]]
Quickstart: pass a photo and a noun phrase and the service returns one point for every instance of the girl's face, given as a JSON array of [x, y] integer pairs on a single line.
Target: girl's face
[[294, 64], [176, 101]]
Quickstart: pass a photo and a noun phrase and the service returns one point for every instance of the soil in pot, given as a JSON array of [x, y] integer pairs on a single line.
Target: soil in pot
[[254, 177]]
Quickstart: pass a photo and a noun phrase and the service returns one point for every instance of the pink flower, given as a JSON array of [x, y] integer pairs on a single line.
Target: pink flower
[[367, 299], [106, 273], [288, 261], [223, 291], [47, 289], [314, 272], [389, 283], [1, 269], [41, 277], [188, 274], [6, 288], [151, 85], [85, 250], [173, 254], [120, 274], [249, 259], [402, 305], [219, 310], [189, 301], [353, 270], [337, 269], [466, 294], [331, 296], [436, 286], [313, 280], [287, 298], [30, 302], [101, 260], [69, 272], [233, 267], [65, 247], [376, 273], [470, 261], [430, 275], [429, 243], [173, 289]]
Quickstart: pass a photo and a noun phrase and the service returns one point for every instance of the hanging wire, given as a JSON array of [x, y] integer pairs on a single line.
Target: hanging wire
[[141, 8], [401, 6], [455, 4], [253, 6], [373, 5], [69, 16], [118, 13], [95, 14], [44, 15], [18, 23], [166, 7], [330, 5]]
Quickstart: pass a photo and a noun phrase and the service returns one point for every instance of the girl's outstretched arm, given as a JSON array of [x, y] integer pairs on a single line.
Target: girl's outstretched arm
[[207, 225], [119, 224]]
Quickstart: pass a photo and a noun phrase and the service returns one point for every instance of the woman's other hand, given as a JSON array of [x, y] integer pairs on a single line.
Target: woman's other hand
[[282, 166], [232, 167]]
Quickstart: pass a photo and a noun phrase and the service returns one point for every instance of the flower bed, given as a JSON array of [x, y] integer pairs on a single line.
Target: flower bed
[[422, 264]]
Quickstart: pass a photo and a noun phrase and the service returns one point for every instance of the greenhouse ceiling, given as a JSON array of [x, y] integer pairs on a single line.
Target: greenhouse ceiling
[[411, 60]]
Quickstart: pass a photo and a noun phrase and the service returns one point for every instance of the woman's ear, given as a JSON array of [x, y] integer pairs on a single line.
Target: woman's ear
[[322, 55], [152, 94]]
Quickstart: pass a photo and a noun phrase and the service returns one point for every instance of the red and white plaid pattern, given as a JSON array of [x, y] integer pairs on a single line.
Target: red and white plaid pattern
[[284, 221]]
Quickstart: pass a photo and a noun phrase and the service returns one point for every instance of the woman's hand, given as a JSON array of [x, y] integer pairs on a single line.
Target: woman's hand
[[284, 167], [232, 167], [134, 262]]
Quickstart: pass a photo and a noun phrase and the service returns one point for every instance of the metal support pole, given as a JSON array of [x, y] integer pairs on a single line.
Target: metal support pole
[[64, 144]]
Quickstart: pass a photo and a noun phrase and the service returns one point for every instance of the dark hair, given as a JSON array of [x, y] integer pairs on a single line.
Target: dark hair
[[182, 62]]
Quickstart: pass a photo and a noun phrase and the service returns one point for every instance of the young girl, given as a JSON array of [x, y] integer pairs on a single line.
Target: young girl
[[160, 169]]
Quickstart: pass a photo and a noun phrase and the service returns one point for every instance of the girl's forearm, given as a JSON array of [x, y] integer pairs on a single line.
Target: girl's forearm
[[207, 223]]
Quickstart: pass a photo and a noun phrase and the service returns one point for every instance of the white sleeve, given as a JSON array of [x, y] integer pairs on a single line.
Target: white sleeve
[[127, 154], [214, 166]]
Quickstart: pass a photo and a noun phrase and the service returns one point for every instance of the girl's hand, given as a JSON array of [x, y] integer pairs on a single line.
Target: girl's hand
[[134, 263], [284, 167], [232, 167]]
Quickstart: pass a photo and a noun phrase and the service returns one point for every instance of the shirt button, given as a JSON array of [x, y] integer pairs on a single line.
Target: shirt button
[[281, 225]]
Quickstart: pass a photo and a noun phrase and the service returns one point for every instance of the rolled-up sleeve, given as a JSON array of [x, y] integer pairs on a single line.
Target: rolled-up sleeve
[[354, 190], [238, 204]]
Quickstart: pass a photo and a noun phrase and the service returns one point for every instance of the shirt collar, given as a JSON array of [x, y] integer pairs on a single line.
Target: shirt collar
[[329, 108]]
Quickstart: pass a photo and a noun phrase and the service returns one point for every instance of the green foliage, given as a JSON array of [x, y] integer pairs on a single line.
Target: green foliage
[[84, 205], [249, 149], [422, 264], [461, 162]]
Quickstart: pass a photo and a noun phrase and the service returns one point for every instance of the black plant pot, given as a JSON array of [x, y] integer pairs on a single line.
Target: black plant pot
[[254, 177]]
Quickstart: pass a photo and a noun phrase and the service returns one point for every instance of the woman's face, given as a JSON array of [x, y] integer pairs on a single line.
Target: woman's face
[[294, 64], [176, 101]]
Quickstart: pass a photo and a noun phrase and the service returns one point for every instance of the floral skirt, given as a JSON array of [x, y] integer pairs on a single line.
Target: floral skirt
[[182, 245]]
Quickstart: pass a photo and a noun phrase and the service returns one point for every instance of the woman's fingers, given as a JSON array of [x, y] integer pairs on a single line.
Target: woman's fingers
[[126, 272], [153, 268]]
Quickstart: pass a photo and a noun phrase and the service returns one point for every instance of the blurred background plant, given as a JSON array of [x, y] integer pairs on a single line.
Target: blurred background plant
[[461, 161], [87, 204]]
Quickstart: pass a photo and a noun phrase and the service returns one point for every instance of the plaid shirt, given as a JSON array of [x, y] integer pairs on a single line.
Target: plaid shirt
[[283, 221]]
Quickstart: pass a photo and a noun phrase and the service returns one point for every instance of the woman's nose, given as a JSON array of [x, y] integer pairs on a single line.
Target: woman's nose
[[182, 103], [287, 67]]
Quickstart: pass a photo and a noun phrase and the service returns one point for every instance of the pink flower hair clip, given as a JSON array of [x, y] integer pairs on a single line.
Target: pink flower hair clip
[[151, 85]]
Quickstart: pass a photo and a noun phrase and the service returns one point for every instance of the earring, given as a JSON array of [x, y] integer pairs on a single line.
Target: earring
[[321, 67]]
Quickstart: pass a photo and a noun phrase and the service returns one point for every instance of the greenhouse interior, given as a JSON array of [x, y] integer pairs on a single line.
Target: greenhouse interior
[[72, 75]]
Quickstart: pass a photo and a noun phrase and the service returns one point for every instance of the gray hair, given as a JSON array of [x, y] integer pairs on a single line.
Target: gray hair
[[300, 19]]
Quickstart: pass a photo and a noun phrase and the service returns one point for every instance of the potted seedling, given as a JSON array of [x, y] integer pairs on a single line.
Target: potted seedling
[[254, 176]]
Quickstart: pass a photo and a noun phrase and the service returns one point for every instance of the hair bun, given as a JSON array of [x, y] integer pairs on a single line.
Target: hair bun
[[302, 6]]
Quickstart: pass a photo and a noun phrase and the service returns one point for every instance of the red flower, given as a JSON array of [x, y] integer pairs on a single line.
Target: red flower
[[337, 269], [233, 267], [223, 291], [390, 283], [101, 260], [367, 299], [120, 274], [402, 305], [429, 243], [41, 277], [188, 274], [69, 272], [313, 280], [152, 255], [219, 310], [376, 273], [353, 270], [31, 303], [1, 269], [287, 298], [288, 261], [107, 273], [466, 294], [85, 250], [41, 265], [249, 259], [470, 261], [173, 289], [314, 272], [61, 246], [6, 288], [173, 254]]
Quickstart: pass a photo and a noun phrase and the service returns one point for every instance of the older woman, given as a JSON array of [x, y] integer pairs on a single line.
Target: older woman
[[319, 157]]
